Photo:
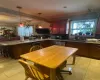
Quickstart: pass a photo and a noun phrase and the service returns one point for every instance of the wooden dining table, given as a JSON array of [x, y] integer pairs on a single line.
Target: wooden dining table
[[50, 57]]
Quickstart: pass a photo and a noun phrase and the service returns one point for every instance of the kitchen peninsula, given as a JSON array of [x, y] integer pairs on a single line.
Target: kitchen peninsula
[[86, 49]]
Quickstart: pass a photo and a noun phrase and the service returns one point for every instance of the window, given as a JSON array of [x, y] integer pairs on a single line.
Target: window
[[25, 31], [83, 27]]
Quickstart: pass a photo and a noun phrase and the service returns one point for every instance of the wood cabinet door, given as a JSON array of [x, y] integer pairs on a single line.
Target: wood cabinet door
[[82, 48], [62, 27], [47, 43], [55, 29], [94, 51], [62, 30], [59, 27]]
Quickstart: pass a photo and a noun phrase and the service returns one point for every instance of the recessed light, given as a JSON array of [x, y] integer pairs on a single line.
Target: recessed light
[[19, 7], [39, 13], [65, 7]]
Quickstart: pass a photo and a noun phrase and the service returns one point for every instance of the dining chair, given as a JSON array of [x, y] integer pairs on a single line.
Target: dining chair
[[64, 71], [4, 51], [60, 71], [35, 47], [32, 71]]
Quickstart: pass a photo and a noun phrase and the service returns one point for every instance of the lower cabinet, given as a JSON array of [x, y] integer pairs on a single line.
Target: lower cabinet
[[82, 48], [94, 51], [47, 43], [19, 49], [86, 49]]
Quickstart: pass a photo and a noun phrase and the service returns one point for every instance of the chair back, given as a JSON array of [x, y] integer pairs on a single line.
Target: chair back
[[35, 47], [32, 71]]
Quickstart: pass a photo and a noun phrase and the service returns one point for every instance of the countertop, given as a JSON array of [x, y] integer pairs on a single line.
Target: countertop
[[16, 42]]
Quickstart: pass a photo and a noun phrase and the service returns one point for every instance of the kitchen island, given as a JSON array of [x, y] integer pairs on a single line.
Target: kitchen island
[[15, 48], [86, 49]]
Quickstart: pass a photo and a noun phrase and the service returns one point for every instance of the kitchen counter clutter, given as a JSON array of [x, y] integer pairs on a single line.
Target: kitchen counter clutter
[[85, 48]]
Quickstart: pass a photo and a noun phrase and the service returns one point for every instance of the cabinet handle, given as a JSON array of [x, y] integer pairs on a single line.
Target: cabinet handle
[[98, 45]]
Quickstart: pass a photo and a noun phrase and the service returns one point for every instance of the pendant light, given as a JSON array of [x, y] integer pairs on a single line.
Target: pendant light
[[39, 26], [20, 23]]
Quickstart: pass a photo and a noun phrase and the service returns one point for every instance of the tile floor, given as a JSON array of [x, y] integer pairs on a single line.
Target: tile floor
[[84, 69]]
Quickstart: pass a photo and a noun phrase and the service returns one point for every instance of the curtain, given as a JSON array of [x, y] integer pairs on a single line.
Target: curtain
[[25, 31]]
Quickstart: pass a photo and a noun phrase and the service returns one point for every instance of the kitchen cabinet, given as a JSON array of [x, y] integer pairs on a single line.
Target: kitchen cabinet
[[55, 30], [16, 50], [59, 27], [85, 49], [82, 48], [94, 51], [47, 43], [89, 50]]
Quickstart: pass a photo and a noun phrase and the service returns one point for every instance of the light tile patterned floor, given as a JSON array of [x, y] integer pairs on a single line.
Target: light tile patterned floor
[[84, 69]]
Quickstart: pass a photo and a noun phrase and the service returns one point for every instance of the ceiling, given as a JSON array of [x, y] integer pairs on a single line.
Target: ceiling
[[51, 9], [6, 18]]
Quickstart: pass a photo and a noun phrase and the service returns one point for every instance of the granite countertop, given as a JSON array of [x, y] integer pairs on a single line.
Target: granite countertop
[[16, 42], [80, 41]]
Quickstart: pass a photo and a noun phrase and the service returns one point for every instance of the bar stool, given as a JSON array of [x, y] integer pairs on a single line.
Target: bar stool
[[5, 51], [1, 50]]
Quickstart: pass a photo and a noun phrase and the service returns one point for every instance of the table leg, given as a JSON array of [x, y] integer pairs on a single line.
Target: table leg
[[74, 58], [52, 74]]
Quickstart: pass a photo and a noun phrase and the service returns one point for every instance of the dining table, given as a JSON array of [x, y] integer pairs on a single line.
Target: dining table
[[50, 57]]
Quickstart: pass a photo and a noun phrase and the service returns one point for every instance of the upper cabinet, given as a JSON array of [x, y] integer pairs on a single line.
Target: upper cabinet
[[58, 27], [55, 28]]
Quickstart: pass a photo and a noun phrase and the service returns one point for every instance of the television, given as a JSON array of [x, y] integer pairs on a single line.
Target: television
[[43, 31]]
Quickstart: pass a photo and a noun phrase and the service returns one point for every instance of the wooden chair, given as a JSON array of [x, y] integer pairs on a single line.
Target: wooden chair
[[60, 70], [35, 47], [69, 71], [33, 72], [4, 51]]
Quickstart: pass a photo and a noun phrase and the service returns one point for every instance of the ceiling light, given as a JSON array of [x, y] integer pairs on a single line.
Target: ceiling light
[[65, 7], [20, 23], [39, 14], [39, 25]]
